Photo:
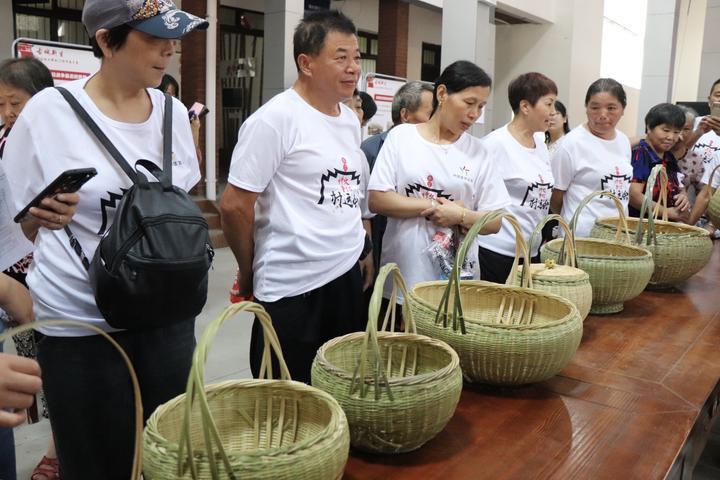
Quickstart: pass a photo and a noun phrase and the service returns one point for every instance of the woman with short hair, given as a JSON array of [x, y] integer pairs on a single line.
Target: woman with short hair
[[520, 156], [88, 390]]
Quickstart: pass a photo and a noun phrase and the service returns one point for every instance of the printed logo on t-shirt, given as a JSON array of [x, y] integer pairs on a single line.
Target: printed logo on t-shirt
[[109, 203], [176, 162], [418, 190], [537, 195], [464, 174], [706, 150], [342, 187], [617, 184]]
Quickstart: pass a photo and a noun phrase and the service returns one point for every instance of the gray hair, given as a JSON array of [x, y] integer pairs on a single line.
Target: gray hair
[[689, 112], [408, 97]]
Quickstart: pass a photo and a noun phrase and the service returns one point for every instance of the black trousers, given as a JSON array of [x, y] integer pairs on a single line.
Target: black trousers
[[304, 322], [90, 396], [495, 267]]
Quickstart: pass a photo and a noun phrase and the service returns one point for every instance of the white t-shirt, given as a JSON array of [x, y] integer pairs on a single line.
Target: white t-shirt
[[529, 181], [707, 146], [411, 166], [307, 167], [713, 162], [49, 138], [584, 163]]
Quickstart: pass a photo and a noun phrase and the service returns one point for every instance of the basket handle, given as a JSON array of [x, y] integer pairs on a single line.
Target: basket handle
[[622, 225], [571, 258], [371, 346], [137, 453], [708, 187], [458, 320], [647, 201], [196, 387]]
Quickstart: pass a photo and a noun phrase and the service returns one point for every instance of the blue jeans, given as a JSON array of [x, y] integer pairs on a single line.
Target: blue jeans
[[7, 443], [90, 397]]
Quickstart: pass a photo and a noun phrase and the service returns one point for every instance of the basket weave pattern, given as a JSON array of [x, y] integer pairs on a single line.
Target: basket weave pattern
[[246, 429], [567, 280], [504, 335], [411, 388], [618, 271], [679, 250]]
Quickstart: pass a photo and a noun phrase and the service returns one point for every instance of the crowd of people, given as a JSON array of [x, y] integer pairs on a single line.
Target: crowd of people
[[310, 212]]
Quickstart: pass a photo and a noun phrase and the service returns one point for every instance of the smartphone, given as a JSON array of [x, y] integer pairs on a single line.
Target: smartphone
[[69, 181], [198, 110], [715, 109]]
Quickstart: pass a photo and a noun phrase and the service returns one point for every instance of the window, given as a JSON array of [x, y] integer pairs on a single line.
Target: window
[[623, 41], [56, 20], [368, 43], [430, 68]]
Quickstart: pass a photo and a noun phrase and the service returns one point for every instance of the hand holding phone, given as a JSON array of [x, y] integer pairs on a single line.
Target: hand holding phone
[[198, 110], [715, 109], [69, 181]]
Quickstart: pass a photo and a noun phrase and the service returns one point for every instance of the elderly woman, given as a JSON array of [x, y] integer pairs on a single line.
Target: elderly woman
[[88, 391], [593, 156], [433, 175], [519, 154]]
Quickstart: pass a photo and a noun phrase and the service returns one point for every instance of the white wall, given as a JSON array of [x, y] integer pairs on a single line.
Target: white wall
[[710, 61], [364, 13], [691, 29], [424, 25], [540, 12], [6, 29]]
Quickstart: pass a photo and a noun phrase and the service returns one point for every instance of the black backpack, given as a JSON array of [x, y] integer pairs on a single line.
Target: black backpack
[[151, 267]]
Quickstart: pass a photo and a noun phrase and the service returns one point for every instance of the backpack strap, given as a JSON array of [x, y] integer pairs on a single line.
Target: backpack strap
[[117, 156], [90, 123]]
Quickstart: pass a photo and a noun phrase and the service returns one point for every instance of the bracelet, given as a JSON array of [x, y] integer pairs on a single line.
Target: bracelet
[[462, 219]]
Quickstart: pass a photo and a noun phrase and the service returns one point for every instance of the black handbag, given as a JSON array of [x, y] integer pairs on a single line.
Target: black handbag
[[151, 267]]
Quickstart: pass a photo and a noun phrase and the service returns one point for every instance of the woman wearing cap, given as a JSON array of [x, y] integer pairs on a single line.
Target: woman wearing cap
[[86, 384]]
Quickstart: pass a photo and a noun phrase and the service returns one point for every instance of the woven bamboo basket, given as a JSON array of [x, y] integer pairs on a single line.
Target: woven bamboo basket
[[504, 335], [618, 271], [679, 250], [246, 429], [398, 390], [567, 280], [136, 469], [713, 209]]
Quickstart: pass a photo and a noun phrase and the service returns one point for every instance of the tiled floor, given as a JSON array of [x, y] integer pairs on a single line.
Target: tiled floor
[[229, 359]]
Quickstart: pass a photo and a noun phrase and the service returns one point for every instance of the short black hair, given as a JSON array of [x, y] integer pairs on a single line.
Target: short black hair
[[167, 81], [531, 87], [560, 108], [28, 74], [665, 114], [609, 85], [369, 107], [458, 76], [116, 38], [312, 30], [715, 83]]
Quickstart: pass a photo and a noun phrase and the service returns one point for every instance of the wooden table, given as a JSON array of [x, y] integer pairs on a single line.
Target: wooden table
[[636, 401]]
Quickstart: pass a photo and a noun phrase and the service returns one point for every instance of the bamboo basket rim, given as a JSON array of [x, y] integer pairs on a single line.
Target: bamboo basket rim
[[292, 387], [643, 252], [371, 338], [682, 228], [540, 272], [497, 287], [426, 341]]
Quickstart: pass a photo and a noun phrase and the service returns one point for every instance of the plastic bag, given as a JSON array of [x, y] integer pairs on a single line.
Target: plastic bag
[[442, 249]]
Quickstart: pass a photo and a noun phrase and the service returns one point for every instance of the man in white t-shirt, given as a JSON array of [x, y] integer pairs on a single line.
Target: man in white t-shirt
[[292, 208]]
